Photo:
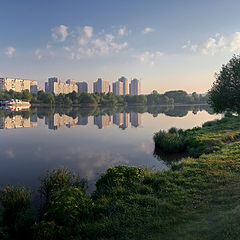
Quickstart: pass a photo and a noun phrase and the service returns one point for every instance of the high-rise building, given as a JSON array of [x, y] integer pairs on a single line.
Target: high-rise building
[[117, 88], [18, 85], [125, 84], [134, 87], [55, 86], [82, 87], [101, 86]]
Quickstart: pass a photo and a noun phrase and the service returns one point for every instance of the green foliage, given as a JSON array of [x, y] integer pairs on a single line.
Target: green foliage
[[118, 177], [225, 92], [109, 99], [209, 138], [171, 142], [45, 230], [57, 179], [68, 206], [17, 213]]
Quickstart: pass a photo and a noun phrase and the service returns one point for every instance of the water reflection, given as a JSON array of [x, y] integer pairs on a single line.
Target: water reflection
[[102, 117], [87, 140]]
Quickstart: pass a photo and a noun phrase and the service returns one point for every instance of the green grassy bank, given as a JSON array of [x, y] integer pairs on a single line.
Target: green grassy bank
[[197, 199]]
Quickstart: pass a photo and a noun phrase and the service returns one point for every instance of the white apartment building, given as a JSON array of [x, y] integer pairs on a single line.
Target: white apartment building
[[125, 84], [18, 85], [117, 88], [101, 86], [55, 86], [134, 87]]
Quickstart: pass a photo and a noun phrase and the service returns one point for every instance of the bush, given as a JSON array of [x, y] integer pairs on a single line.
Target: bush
[[17, 214], [45, 231], [170, 142], [120, 176], [13, 201], [57, 179], [68, 206]]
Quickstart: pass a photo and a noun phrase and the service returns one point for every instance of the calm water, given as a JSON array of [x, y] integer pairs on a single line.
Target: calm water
[[87, 141]]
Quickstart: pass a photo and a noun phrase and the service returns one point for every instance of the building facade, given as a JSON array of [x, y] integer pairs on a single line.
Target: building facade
[[134, 87], [117, 88], [18, 85], [82, 87], [101, 86], [125, 84], [55, 86]]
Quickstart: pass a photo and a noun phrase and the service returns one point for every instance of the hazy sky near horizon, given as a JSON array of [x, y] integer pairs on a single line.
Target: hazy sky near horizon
[[174, 44]]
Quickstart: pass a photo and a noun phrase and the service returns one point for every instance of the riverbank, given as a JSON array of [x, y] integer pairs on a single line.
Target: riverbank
[[197, 199]]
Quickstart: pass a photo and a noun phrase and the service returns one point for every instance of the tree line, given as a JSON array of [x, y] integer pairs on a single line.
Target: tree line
[[109, 99]]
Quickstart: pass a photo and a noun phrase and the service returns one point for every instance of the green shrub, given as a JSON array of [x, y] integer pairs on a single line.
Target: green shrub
[[57, 179], [119, 176], [45, 231], [170, 142], [68, 206], [17, 213], [14, 200]]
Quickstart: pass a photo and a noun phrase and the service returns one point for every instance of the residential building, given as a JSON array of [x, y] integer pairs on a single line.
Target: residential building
[[82, 87], [18, 84], [101, 86], [55, 86], [125, 84], [134, 87], [117, 88]]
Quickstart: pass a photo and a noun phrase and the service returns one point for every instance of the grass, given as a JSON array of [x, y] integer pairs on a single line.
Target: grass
[[196, 199], [211, 137]]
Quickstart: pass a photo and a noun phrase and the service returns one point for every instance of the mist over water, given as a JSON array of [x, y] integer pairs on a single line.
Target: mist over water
[[87, 141]]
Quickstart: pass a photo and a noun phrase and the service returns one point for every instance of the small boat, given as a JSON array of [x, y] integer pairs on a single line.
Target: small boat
[[16, 103]]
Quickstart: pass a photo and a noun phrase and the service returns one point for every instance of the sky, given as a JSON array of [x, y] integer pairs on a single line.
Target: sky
[[168, 45]]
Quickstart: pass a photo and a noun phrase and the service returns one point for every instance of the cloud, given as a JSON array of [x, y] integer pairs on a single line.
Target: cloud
[[60, 33], [88, 30], [186, 45], [38, 54], [215, 44], [10, 51], [150, 57], [122, 31], [85, 44], [147, 30], [235, 43]]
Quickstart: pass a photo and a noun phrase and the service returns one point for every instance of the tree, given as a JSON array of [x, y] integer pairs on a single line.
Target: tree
[[225, 91]]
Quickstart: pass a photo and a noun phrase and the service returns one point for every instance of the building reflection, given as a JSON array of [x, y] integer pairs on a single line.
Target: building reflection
[[17, 121], [121, 120], [56, 121], [82, 121], [135, 119], [102, 121]]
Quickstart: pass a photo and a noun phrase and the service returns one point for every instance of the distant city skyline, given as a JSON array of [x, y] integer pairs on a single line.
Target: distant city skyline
[[168, 45]]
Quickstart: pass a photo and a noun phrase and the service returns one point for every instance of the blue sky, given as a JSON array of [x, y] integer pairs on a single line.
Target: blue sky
[[175, 44]]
